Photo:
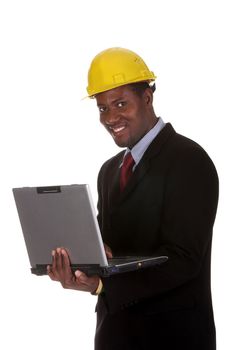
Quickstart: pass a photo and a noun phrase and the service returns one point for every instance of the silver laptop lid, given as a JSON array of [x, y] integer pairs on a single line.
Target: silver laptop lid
[[60, 216]]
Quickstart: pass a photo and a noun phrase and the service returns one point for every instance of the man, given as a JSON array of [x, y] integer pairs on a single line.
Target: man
[[166, 206]]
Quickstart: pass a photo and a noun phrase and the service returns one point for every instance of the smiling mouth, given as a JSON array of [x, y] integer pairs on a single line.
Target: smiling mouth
[[116, 129]]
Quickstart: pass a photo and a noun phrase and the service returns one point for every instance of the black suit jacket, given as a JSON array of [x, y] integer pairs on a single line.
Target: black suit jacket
[[167, 208]]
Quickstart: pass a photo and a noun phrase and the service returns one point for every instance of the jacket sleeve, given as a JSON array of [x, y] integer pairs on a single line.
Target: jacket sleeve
[[189, 209]]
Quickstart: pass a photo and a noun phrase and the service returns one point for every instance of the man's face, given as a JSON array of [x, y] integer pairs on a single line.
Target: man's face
[[125, 114]]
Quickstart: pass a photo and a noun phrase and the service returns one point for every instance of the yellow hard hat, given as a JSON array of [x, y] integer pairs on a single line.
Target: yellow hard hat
[[116, 67]]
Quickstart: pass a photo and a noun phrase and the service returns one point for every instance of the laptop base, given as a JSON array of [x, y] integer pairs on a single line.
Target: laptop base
[[116, 265]]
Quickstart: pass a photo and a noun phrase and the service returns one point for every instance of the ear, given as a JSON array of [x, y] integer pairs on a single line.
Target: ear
[[148, 97]]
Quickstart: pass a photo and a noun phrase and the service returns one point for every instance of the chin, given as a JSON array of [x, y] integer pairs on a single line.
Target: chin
[[121, 144]]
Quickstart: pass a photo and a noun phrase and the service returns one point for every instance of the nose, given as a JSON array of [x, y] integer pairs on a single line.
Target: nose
[[110, 117]]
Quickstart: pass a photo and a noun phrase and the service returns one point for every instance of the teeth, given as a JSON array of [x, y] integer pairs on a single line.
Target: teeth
[[118, 129]]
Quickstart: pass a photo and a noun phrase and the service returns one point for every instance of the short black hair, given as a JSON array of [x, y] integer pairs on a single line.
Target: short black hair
[[141, 86]]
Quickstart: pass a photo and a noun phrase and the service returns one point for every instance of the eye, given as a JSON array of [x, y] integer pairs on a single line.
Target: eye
[[102, 109], [121, 104]]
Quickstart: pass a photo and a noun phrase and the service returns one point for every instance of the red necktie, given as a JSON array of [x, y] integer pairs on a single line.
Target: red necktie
[[126, 170]]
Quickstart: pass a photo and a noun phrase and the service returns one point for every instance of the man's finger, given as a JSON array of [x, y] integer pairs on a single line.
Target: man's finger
[[66, 262], [81, 277], [56, 269], [108, 251], [50, 273], [58, 259]]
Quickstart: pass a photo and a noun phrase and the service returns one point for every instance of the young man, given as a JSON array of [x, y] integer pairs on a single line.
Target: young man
[[157, 197]]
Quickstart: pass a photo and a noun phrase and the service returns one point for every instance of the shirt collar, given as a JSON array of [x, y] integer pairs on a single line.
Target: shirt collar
[[140, 148]]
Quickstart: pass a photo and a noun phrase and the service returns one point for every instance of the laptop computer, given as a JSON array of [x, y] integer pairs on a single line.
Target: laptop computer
[[64, 216]]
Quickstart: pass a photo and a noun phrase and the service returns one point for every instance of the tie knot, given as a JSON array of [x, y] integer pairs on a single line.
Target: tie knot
[[126, 170], [128, 161]]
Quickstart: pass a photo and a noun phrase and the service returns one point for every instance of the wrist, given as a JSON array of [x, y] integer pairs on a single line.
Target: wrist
[[99, 288]]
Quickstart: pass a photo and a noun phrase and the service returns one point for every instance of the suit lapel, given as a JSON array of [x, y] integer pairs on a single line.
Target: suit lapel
[[114, 180], [145, 163]]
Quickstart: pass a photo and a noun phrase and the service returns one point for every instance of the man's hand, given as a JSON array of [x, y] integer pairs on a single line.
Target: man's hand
[[61, 271], [108, 251]]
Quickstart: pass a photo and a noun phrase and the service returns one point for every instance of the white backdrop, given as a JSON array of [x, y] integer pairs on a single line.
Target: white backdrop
[[47, 133]]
